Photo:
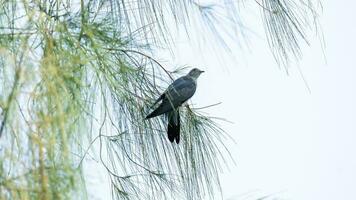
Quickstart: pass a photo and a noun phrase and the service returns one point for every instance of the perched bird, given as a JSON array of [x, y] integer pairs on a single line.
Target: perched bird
[[175, 95]]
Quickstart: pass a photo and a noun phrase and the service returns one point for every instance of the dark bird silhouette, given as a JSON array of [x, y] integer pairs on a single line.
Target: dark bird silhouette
[[175, 95]]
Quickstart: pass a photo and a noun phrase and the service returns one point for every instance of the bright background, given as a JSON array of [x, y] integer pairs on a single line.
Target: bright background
[[290, 143]]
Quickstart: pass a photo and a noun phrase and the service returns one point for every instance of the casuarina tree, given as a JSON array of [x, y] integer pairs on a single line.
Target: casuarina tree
[[77, 79]]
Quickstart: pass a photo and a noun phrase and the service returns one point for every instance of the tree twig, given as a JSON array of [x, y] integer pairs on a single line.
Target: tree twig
[[145, 55]]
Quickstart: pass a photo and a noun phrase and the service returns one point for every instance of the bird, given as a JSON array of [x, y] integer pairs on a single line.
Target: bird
[[174, 96]]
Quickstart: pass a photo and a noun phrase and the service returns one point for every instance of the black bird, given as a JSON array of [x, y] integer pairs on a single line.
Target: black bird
[[175, 95]]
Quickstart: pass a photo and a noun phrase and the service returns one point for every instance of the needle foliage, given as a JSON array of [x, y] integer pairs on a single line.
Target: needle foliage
[[78, 73]]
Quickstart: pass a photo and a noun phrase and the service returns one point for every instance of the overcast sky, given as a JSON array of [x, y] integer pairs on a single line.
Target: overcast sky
[[291, 143]]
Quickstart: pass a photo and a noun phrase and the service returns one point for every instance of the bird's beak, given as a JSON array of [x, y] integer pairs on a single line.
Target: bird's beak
[[202, 71]]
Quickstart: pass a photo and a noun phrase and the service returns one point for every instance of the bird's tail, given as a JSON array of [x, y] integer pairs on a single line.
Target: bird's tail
[[173, 129]]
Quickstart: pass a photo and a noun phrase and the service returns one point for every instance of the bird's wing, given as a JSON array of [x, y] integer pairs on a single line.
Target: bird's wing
[[175, 95], [178, 84], [180, 91]]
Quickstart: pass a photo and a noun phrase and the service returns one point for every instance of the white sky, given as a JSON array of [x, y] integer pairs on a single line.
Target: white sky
[[290, 143]]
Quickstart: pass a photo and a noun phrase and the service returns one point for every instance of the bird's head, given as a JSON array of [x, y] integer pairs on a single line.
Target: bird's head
[[195, 73]]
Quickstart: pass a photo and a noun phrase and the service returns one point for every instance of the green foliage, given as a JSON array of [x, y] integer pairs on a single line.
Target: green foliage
[[76, 73]]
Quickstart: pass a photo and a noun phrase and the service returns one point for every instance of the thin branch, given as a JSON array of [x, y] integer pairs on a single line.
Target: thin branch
[[145, 55], [208, 106], [91, 144], [264, 8]]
